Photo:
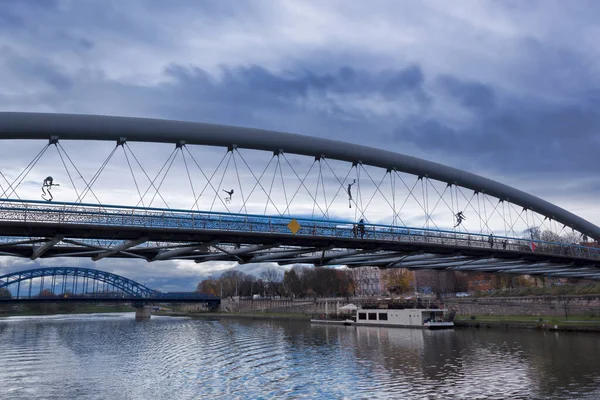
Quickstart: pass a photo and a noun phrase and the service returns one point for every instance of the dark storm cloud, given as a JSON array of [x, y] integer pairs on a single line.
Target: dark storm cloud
[[35, 70], [472, 95], [257, 82], [300, 101], [525, 136]]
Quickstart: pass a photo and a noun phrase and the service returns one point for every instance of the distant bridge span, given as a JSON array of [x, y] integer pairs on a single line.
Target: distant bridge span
[[86, 284], [37, 229]]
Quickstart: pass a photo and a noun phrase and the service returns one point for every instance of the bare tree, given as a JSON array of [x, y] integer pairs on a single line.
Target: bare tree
[[273, 279]]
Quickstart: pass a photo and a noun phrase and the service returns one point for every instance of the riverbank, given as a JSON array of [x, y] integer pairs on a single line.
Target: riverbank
[[86, 309], [550, 323], [210, 315], [576, 324]]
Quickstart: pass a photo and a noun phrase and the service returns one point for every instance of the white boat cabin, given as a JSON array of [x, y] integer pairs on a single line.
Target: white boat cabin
[[409, 317]]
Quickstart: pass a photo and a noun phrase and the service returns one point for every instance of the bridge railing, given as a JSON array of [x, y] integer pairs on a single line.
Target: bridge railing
[[120, 216]]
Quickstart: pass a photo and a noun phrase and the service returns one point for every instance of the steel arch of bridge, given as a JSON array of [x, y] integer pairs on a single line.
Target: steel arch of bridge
[[15, 125], [39, 229], [127, 286]]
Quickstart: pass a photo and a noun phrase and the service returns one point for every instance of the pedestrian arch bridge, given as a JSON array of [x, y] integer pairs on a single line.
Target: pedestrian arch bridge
[[102, 187]]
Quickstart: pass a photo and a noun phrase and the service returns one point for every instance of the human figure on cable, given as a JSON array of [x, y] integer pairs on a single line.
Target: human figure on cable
[[228, 198], [350, 193], [460, 217], [46, 186], [361, 228]]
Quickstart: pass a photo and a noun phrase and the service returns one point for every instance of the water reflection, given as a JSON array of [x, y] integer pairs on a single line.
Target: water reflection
[[103, 356]]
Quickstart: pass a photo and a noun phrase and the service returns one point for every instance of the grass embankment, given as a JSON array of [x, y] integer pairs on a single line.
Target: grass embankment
[[87, 309], [562, 290], [258, 315], [578, 319], [574, 323]]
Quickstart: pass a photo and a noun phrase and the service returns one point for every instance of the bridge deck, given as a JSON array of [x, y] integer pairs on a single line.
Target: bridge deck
[[40, 229], [128, 299], [42, 219]]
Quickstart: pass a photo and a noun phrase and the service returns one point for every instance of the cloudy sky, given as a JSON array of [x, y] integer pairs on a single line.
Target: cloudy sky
[[507, 89]]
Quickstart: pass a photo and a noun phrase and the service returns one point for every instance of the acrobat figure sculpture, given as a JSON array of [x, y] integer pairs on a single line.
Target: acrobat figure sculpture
[[350, 193], [228, 198], [460, 217], [46, 186]]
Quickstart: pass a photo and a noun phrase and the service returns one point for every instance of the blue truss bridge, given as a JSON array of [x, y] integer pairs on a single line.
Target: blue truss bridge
[[251, 196]]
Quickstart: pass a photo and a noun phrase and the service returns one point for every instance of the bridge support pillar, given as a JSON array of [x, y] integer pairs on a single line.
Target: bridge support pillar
[[142, 312]]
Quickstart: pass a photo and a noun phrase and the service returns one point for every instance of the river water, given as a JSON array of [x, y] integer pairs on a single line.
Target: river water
[[112, 356]]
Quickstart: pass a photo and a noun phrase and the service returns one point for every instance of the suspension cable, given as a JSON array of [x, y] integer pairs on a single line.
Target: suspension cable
[[208, 181], [271, 189], [377, 187], [423, 194], [479, 214], [283, 181], [530, 228], [441, 199], [133, 175], [410, 193], [24, 173], [359, 192], [77, 170], [324, 193], [221, 183], [492, 212], [259, 179], [188, 173], [469, 204], [147, 177], [504, 218], [511, 220], [2, 187], [174, 154], [393, 185], [88, 187], [240, 183], [67, 169], [316, 190], [341, 185], [519, 215], [485, 211], [542, 224], [426, 179], [356, 206], [302, 182]]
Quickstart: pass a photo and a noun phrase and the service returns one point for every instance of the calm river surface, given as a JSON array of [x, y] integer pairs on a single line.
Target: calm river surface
[[111, 356]]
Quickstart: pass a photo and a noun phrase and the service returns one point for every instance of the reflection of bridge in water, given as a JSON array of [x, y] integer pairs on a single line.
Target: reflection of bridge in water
[[70, 284], [362, 200]]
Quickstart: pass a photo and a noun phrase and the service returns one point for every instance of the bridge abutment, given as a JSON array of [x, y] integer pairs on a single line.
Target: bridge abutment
[[143, 312]]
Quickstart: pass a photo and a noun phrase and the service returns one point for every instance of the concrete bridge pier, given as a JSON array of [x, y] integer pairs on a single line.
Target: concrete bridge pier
[[142, 312]]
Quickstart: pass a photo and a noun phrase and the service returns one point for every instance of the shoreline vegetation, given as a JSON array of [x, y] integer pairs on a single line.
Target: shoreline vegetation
[[548, 322], [574, 324], [551, 323], [556, 290]]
